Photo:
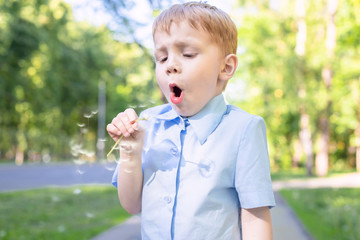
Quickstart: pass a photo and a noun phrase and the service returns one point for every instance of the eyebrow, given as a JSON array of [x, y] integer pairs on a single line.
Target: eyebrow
[[179, 44]]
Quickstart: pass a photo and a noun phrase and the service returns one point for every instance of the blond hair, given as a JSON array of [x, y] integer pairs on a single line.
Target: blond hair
[[211, 19]]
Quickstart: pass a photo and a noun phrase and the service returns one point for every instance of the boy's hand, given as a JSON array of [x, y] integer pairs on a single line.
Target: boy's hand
[[133, 136]]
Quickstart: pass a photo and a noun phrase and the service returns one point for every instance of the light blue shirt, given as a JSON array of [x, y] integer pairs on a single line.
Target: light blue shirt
[[200, 171]]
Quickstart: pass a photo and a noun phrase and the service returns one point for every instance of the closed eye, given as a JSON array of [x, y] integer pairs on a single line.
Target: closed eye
[[189, 55], [162, 59]]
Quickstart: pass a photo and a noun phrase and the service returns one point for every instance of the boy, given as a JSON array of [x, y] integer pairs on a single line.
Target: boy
[[201, 168]]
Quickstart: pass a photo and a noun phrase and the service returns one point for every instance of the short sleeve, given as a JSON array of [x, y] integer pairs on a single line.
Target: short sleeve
[[252, 176], [115, 176]]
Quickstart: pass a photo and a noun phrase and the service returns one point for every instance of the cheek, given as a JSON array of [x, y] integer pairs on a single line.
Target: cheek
[[161, 81]]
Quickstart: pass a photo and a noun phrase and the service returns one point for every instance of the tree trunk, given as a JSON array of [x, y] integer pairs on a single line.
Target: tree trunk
[[322, 157], [305, 138], [19, 157], [305, 133], [357, 143], [298, 152]]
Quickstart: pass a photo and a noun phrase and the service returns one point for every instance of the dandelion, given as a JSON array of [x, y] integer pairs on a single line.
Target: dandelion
[[117, 142]]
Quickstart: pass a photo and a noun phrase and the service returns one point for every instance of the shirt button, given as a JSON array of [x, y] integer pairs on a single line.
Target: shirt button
[[167, 199], [173, 151]]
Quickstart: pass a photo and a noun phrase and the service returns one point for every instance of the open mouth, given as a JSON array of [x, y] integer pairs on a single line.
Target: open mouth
[[177, 91], [176, 95]]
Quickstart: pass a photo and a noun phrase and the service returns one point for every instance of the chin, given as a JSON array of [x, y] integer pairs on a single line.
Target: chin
[[184, 112], [180, 111]]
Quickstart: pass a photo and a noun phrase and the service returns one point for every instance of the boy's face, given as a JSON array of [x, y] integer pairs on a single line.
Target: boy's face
[[188, 64]]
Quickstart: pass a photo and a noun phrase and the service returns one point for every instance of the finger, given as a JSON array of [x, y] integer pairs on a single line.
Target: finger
[[129, 117], [118, 123], [132, 118], [126, 124], [113, 131]]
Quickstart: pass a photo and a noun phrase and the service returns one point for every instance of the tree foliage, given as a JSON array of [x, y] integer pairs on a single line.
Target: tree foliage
[[50, 66], [280, 84]]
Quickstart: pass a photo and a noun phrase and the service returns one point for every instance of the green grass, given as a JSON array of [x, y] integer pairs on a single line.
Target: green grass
[[327, 213], [300, 173], [289, 174], [59, 213]]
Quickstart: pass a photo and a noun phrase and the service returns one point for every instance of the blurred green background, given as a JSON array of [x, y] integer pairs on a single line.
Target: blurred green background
[[299, 68]]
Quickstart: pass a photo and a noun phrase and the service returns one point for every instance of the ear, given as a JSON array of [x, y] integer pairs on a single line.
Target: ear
[[228, 68]]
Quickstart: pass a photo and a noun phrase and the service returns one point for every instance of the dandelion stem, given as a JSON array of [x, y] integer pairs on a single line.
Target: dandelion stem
[[117, 142]]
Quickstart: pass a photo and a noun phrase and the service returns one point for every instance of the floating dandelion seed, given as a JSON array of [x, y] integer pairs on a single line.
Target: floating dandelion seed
[[55, 198], [61, 228], [143, 105], [81, 125], [77, 191], [88, 115], [89, 215], [2, 233], [109, 168], [206, 168], [87, 153], [84, 130], [79, 161], [117, 142], [94, 112]]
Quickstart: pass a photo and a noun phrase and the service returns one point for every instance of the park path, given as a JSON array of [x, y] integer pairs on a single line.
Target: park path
[[29, 176]]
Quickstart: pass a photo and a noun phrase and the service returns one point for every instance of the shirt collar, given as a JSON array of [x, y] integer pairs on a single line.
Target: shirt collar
[[205, 122], [167, 113]]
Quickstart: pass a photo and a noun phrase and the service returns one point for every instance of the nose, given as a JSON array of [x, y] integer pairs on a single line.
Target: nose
[[173, 66]]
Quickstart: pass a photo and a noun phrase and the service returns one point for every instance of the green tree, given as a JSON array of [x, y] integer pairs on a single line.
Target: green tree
[[287, 88], [50, 66]]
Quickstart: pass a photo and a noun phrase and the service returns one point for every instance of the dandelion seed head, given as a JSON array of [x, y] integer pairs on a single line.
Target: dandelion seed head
[[111, 158]]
